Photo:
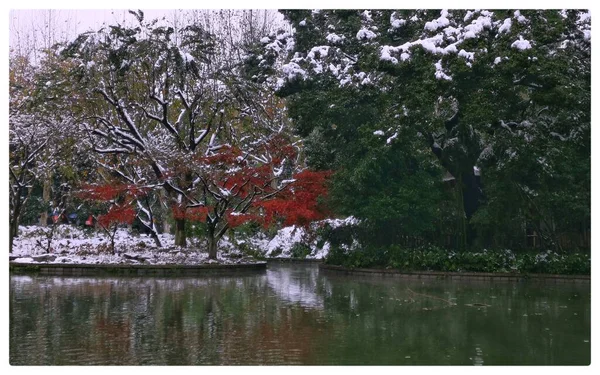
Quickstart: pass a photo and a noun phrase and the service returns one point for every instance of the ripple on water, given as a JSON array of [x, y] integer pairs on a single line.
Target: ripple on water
[[293, 315]]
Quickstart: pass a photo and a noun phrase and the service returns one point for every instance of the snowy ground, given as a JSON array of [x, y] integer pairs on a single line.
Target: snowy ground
[[72, 244]]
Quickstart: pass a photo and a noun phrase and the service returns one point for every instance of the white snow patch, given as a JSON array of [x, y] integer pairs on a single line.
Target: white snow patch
[[521, 44], [468, 15], [505, 28], [439, 72], [334, 38], [467, 55], [519, 17], [285, 239], [365, 34], [451, 48], [477, 26], [397, 23], [390, 139], [587, 34], [187, 58], [442, 21], [583, 17], [293, 71], [386, 56], [321, 50]]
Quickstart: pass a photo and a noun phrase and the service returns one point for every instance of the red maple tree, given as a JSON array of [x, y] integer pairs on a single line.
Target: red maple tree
[[262, 184], [119, 199]]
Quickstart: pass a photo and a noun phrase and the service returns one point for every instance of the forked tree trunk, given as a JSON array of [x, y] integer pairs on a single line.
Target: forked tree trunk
[[112, 241], [180, 239]]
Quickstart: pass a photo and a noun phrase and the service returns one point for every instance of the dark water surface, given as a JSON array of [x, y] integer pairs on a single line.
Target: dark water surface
[[294, 314]]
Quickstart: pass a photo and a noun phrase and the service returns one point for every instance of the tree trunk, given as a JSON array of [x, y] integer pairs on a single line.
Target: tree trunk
[[213, 240], [46, 200], [180, 239], [212, 247], [112, 243], [12, 233], [153, 233], [471, 200], [166, 226], [14, 222], [154, 236], [11, 239]]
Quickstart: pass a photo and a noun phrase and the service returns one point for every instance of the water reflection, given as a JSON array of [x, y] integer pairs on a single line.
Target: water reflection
[[296, 285], [295, 315]]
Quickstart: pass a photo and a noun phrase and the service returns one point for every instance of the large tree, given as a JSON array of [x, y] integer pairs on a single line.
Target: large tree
[[41, 139], [170, 113], [475, 88]]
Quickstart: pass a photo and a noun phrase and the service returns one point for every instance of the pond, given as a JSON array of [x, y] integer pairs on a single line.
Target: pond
[[295, 314]]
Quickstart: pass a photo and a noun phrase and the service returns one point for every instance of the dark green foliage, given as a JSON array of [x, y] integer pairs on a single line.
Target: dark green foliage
[[509, 126], [393, 192], [433, 258], [32, 210], [300, 250]]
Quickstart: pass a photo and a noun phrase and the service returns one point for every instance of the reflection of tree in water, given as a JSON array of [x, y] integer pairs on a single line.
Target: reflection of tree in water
[[313, 319], [239, 321], [111, 338], [295, 284]]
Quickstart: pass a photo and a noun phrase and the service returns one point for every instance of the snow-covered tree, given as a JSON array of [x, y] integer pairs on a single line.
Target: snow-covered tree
[[461, 82], [39, 141], [166, 112]]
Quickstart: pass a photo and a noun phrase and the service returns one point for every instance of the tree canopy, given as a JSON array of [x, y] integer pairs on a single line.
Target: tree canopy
[[500, 100]]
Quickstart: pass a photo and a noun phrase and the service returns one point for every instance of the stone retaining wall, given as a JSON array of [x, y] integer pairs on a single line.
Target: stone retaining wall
[[293, 260], [135, 269], [481, 276]]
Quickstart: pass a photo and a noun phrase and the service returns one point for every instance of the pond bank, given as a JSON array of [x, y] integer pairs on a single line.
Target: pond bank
[[457, 275], [294, 260], [135, 269]]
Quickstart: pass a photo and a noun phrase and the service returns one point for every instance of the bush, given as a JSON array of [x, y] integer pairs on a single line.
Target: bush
[[300, 250], [432, 258]]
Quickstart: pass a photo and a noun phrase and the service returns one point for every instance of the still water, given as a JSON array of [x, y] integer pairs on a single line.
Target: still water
[[294, 314]]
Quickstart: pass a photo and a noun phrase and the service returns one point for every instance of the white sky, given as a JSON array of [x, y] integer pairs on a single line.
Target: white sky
[[71, 18], [68, 23]]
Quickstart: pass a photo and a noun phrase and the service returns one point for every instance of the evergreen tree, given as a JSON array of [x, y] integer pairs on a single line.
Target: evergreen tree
[[492, 96]]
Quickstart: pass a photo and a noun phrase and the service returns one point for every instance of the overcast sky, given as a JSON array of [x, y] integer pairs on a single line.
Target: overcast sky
[[68, 23]]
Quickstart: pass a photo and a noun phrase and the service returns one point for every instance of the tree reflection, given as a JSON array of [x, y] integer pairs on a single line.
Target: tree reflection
[[294, 315]]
